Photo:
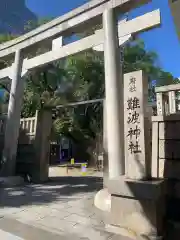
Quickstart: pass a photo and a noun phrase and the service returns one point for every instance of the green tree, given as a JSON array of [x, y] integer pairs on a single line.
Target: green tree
[[136, 58], [31, 24], [80, 78]]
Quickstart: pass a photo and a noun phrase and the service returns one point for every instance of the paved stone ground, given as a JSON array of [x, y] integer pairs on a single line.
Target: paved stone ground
[[59, 170], [61, 209]]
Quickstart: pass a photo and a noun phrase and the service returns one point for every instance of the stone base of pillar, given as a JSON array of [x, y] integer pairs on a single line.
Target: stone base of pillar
[[137, 208], [102, 200]]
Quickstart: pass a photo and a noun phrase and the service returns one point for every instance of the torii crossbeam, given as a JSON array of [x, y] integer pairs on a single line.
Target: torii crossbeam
[[132, 27]]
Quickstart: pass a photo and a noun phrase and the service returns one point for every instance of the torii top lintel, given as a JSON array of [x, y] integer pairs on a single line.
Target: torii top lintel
[[86, 13]]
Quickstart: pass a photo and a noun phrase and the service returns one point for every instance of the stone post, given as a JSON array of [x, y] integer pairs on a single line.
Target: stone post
[[13, 119], [137, 126], [114, 95], [172, 102], [137, 207], [42, 146], [160, 104]]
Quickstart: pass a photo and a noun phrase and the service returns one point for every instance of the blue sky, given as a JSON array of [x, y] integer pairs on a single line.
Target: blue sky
[[163, 40]]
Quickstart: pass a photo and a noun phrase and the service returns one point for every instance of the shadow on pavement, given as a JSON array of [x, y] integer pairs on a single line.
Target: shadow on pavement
[[60, 189]]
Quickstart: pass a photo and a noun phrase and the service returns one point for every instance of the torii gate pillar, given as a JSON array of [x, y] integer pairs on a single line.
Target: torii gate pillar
[[114, 95], [13, 118]]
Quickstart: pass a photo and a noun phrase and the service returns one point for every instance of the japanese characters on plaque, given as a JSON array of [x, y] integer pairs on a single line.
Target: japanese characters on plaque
[[134, 102], [133, 119]]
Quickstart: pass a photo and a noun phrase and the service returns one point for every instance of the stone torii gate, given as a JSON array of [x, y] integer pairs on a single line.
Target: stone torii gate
[[96, 11]]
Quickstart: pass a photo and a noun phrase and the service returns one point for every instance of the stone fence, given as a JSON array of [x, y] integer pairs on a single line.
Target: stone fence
[[33, 145], [166, 133], [166, 153], [168, 99], [29, 124], [26, 124]]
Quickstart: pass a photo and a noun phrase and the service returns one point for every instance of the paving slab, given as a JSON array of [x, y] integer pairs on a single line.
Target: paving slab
[[8, 236], [61, 209], [28, 232]]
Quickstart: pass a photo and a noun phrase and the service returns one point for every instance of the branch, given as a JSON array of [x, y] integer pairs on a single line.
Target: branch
[[49, 88], [31, 79]]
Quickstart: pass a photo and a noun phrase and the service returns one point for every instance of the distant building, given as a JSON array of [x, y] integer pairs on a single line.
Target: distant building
[[175, 10], [14, 15]]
